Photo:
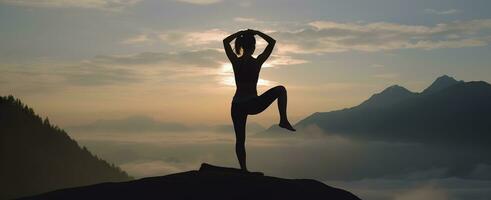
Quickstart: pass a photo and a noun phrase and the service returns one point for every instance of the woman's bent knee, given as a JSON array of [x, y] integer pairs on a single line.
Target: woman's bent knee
[[280, 88]]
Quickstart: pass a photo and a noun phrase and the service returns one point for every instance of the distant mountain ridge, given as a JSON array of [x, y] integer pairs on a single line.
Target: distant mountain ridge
[[447, 111], [130, 124], [37, 156], [147, 124]]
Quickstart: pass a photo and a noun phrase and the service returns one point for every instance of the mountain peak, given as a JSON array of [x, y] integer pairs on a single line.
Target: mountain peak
[[441, 83], [445, 77], [395, 89], [389, 96]]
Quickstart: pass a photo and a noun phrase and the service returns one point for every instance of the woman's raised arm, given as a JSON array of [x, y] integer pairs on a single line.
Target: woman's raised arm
[[228, 49], [269, 49]]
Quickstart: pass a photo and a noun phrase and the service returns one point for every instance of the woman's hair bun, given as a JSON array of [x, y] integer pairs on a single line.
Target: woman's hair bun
[[245, 40]]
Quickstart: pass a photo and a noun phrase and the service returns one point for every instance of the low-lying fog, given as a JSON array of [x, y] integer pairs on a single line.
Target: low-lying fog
[[370, 169]]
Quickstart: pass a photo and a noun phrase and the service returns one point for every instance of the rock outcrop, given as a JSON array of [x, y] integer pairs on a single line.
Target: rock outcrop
[[209, 182]]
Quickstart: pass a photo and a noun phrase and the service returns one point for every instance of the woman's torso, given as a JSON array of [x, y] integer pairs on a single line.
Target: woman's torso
[[246, 72]]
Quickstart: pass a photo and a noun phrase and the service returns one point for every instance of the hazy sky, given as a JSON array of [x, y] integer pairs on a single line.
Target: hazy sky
[[77, 61]]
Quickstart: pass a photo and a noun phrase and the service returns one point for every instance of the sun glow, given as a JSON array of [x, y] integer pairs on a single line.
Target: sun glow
[[267, 65], [227, 76]]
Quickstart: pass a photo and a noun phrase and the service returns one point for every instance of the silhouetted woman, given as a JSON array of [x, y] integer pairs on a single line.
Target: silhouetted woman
[[246, 71]]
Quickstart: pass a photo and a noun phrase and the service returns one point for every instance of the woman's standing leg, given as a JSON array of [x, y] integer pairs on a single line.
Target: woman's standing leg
[[239, 119]]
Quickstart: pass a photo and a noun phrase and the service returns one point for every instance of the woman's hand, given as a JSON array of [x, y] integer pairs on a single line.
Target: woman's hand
[[252, 31], [240, 32]]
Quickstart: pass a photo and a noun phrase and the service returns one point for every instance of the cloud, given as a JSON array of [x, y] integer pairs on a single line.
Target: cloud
[[285, 156], [207, 58], [181, 66], [245, 4], [387, 76], [131, 124], [377, 66], [211, 38], [142, 38], [314, 155], [182, 38], [429, 192], [386, 189], [200, 2], [481, 171], [319, 37], [283, 60], [245, 19], [45, 78], [87, 74], [193, 38], [191, 67], [92, 4], [209, 53], [442, 12], [330, 36], [105, 70], [142, 124]]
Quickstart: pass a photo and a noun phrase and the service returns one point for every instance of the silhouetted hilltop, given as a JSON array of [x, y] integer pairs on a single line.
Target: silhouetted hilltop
[[210, 182], [447, 111], [37, 156], [441, 83], [390, 96]]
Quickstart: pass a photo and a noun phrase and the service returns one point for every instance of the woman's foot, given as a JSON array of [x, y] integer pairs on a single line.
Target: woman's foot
[[286, 125]]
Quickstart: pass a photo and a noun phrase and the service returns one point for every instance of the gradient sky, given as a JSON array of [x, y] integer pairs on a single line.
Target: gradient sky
[[77, 61]]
